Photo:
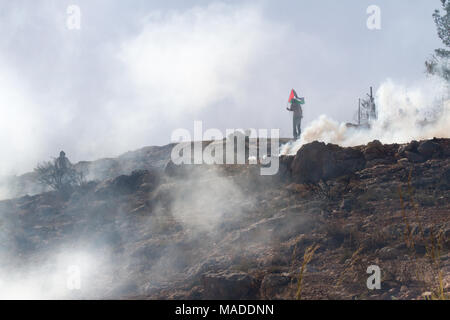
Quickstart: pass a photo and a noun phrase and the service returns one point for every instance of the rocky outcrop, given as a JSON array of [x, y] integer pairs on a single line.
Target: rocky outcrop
[[152, 158], [319, 161], [127, 184], [417, 152], [273, 286], [230, 285], [226, 232]]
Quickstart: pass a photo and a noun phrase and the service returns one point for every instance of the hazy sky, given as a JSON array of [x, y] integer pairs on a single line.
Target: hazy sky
[[137, 70]]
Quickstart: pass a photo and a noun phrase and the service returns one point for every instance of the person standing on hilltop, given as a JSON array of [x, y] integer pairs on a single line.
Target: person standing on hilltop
[[63, 170], [62, 163], [295, 105]]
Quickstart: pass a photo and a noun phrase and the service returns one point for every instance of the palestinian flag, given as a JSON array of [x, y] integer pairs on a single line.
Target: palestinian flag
[[293, 96]]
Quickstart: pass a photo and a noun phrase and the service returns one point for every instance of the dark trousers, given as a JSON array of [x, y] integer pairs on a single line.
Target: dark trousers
[[297, 122]]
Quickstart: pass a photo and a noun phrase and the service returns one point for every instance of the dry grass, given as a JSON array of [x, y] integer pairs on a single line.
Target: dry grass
[[307, 257], [350, 264], [432, 244]]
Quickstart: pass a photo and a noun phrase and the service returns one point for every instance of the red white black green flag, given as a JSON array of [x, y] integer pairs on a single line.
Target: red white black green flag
[[293, 96]]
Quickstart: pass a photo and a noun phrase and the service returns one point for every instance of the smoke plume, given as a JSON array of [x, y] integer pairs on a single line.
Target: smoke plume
[[405, 113]]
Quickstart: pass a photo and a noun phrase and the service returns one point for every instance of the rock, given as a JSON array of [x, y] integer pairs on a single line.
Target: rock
[[445, 145], [309, 162], [414, 157], [317, 161], [273, 285], [179, 171], [411, 147], [229, 286], [374, 150], [376, 162], [300, 190], [171, 169], [195, 293], [285, 166], [127, 184], [429, 148]]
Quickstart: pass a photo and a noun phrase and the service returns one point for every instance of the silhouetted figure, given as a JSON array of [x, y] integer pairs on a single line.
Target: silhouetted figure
[[62, 163], [59, 174], [296, 108]]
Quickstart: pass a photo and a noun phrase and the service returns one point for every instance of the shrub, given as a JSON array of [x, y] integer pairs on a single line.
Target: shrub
[[59, 174]]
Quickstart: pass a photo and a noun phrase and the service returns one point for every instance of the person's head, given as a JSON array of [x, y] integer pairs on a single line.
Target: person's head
[[62, 154]]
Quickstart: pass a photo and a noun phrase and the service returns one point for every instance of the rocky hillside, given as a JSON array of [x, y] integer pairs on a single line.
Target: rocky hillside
[[208, 232], [147, 158]]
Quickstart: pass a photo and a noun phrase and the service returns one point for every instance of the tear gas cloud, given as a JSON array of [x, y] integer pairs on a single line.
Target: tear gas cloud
[[65, 274], [405, 113]]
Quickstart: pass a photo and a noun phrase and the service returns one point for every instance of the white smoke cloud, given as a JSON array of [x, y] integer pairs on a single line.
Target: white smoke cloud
[[405, 113], [134, 88], [185, 61], [19, 123], [64, 275]]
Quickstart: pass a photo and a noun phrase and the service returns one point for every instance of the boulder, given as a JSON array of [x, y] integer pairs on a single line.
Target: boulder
[[411, 147], [128, 184], [429, 149], [181, 170], [171, 169], [285, 166], [414, 157], [229, 285], [374, 150], [319, 161], [274, 285]]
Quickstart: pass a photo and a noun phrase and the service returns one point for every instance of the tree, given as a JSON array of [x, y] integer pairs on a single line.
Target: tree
[[439, 62], [59, 174]]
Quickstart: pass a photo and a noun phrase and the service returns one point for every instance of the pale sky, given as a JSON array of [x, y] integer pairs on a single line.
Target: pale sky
[[137, 70]]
